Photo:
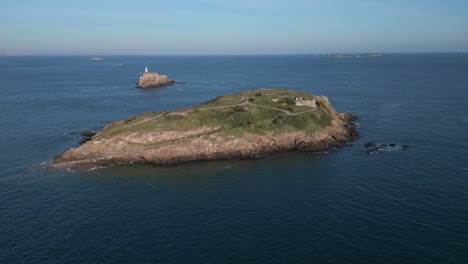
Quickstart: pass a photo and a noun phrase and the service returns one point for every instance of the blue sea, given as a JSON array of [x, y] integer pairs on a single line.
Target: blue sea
[[344, 206]]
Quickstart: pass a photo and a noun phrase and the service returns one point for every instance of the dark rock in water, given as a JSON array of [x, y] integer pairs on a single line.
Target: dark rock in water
[[84, 140], [406, 147], [88, 133], [352, 117], [383, 147], [372, 151], [376, 149], [380, 148], [87, 136]]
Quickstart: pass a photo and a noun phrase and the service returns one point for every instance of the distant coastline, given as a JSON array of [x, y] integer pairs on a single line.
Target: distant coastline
[[353, 55], [7, 55], [114, 57]]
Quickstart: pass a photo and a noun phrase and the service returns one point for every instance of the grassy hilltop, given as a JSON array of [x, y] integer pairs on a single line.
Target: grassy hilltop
[[260, 111]]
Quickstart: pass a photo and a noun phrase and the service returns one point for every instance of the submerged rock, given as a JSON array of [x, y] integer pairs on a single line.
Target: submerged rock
[[380, 148], [383, 147], [372, 151], [370, 145], [406, 147]]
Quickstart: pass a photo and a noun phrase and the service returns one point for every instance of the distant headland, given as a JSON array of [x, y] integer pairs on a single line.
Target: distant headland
[[352, 55], [96, 59], [244, 125]]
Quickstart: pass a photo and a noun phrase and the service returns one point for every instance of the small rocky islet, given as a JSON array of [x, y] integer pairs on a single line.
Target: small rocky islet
[[153, 79], [244, 125], [373, 148]]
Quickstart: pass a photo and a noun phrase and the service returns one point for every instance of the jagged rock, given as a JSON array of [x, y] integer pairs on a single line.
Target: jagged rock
[[370, 145]]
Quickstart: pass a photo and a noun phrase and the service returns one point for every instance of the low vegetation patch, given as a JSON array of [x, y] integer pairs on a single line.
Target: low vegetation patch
[[271, 111]]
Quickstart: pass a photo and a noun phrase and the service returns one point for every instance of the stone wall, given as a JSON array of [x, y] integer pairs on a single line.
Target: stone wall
[[306, 102]]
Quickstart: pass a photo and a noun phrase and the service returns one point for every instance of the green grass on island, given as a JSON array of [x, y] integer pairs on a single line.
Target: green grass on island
[[260, 111]]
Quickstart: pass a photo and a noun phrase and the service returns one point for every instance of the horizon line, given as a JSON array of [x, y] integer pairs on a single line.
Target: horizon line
[[228, 54]]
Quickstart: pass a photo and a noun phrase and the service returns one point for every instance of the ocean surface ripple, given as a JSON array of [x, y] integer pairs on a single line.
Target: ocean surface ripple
[[341, 207]]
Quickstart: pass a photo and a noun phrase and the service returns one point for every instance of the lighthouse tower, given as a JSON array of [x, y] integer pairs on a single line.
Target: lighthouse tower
[[146, 68]]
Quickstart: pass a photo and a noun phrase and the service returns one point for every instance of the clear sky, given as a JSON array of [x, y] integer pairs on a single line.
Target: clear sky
[[232, 26]]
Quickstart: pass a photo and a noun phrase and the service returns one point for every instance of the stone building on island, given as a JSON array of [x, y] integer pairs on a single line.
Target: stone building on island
[[305, 102]]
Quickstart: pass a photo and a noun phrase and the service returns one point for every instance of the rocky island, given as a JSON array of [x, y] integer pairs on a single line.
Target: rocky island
[[153, 79], [245, 125]]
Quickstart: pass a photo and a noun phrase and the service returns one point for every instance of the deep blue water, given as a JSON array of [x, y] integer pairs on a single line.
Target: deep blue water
[[341, 207]]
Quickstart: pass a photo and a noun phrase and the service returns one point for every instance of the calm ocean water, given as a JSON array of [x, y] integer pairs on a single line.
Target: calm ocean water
[[340, 207]]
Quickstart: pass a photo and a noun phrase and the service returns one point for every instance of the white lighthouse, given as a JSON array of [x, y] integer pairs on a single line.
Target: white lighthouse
[[146, 68]]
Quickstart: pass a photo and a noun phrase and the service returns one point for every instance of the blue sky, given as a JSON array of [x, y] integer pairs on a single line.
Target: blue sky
[[232, 26]]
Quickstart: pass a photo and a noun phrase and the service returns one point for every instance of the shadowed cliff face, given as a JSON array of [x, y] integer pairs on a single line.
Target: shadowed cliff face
[[153, 79], [245, 125]]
